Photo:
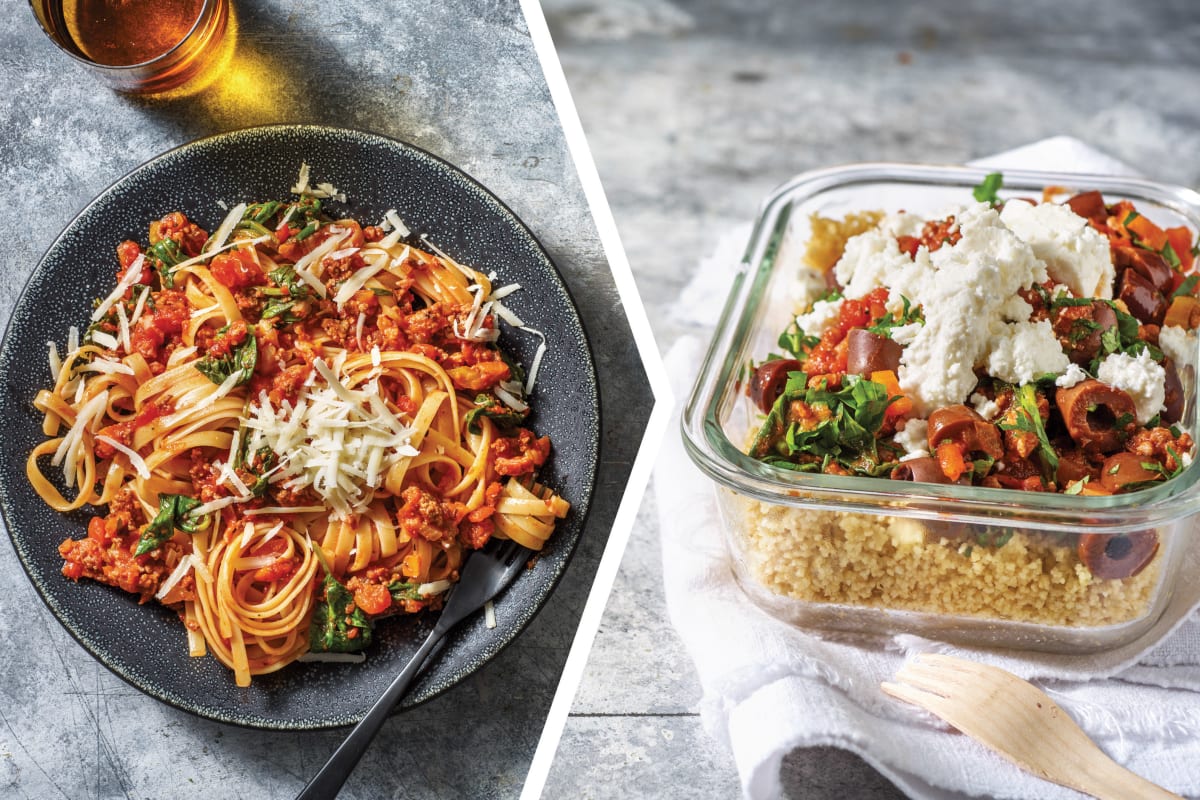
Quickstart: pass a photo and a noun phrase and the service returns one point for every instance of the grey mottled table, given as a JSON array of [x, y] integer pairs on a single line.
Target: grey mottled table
[[695, 110], [459, 78]]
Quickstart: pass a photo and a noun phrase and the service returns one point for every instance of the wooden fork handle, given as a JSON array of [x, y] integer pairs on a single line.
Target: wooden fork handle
[[1111, 781]]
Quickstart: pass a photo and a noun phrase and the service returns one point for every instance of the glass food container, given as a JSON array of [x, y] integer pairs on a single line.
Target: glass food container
[[968, 564]]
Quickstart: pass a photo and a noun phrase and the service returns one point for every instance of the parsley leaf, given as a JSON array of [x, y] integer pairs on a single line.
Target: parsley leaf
[[839, 426], [796, 341], [909, 315], [1028, 419], [986, 191]]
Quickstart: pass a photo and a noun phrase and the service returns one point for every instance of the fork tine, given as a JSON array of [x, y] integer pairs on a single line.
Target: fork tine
[[929, 701], [914, 674]]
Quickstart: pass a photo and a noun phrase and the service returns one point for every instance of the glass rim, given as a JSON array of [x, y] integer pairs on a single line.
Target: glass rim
[[727, 464], [78, 55]]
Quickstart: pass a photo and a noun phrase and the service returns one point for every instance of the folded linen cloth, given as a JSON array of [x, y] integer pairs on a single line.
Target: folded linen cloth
[[770, 687]]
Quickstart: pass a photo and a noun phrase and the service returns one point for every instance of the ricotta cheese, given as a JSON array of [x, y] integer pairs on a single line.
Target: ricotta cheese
[[1076, 254], [822, 316], [1074, 374], [985, 407], [966, 292], [914, 438], [1178, 345], [1141, 378], [1021, 352]]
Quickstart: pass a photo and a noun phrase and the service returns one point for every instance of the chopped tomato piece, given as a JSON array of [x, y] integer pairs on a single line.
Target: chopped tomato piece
[[237, 269], [372, 598]]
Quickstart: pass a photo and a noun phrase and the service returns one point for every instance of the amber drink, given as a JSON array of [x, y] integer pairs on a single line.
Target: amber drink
[[139, 46]]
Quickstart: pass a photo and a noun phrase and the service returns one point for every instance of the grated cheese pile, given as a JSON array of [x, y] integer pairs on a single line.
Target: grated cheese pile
[[336, 441]]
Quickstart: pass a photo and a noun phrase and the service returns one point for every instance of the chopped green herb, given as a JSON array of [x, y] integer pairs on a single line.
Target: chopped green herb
[[1169, 255], [1029, 420], [986, 191], [842, 429], [909, 315], [796, 341], [1188, 287]]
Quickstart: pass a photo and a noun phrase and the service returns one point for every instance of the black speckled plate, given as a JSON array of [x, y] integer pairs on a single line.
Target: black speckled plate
[[146, 645]]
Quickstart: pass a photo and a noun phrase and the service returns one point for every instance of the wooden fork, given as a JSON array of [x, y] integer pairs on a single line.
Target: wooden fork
[[1018, 721]]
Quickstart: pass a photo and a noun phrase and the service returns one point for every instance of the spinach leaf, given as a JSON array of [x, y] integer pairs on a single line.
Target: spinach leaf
[[403, 590], [260, 212], [165, 254], [488, 406], [841, 426], [172, 513], [241, 361], [797, 342], [338, 624]]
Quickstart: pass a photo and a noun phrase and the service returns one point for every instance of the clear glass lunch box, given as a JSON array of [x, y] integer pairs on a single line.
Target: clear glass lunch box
[[959, 563]]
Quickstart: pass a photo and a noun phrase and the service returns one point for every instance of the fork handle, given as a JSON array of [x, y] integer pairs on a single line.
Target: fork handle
[[1111, 781], [328, 782]]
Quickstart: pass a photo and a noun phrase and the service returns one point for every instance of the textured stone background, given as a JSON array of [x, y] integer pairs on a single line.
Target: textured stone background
[[459, 78], [695, 110]]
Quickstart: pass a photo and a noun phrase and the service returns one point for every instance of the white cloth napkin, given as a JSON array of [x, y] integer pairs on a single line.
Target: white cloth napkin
[[770, 687]]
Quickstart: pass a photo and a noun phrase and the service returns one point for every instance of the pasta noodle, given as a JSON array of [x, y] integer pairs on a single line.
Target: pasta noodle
[[298, 426]]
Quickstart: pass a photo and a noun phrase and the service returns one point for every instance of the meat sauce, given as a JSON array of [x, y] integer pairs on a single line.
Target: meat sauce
[[285, 352]]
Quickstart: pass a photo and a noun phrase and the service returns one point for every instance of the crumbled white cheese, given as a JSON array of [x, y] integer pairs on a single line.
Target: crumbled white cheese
[[869, 260], [1142, 378], [1021, 352], [1074, 374], [914, 438], [1075, 253], [822, 316], [985, 406], [1179, 345], [965, 292]]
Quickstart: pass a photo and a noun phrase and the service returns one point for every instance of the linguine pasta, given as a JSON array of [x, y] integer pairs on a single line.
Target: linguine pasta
[[298, 425]]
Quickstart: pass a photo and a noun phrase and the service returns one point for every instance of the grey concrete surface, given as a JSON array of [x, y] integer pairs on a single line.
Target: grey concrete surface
[[695, 110], [459, 78]]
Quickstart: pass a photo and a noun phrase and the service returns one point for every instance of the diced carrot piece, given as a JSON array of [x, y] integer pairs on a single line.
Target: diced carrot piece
[[950, 459], [1147, 232], [1180, 239], [1180, 312], [903, 403]]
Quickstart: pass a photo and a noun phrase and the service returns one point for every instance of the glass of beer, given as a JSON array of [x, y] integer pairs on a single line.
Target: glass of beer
[[137, 46]]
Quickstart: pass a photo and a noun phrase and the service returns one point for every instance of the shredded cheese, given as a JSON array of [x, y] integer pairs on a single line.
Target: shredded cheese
[[435, 587], [136, 461], [489, 614], [207, 255], [182, 568], [139, 306], [105, 340], [125, 284], [226, 227], [56, 362], [340, 442]]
